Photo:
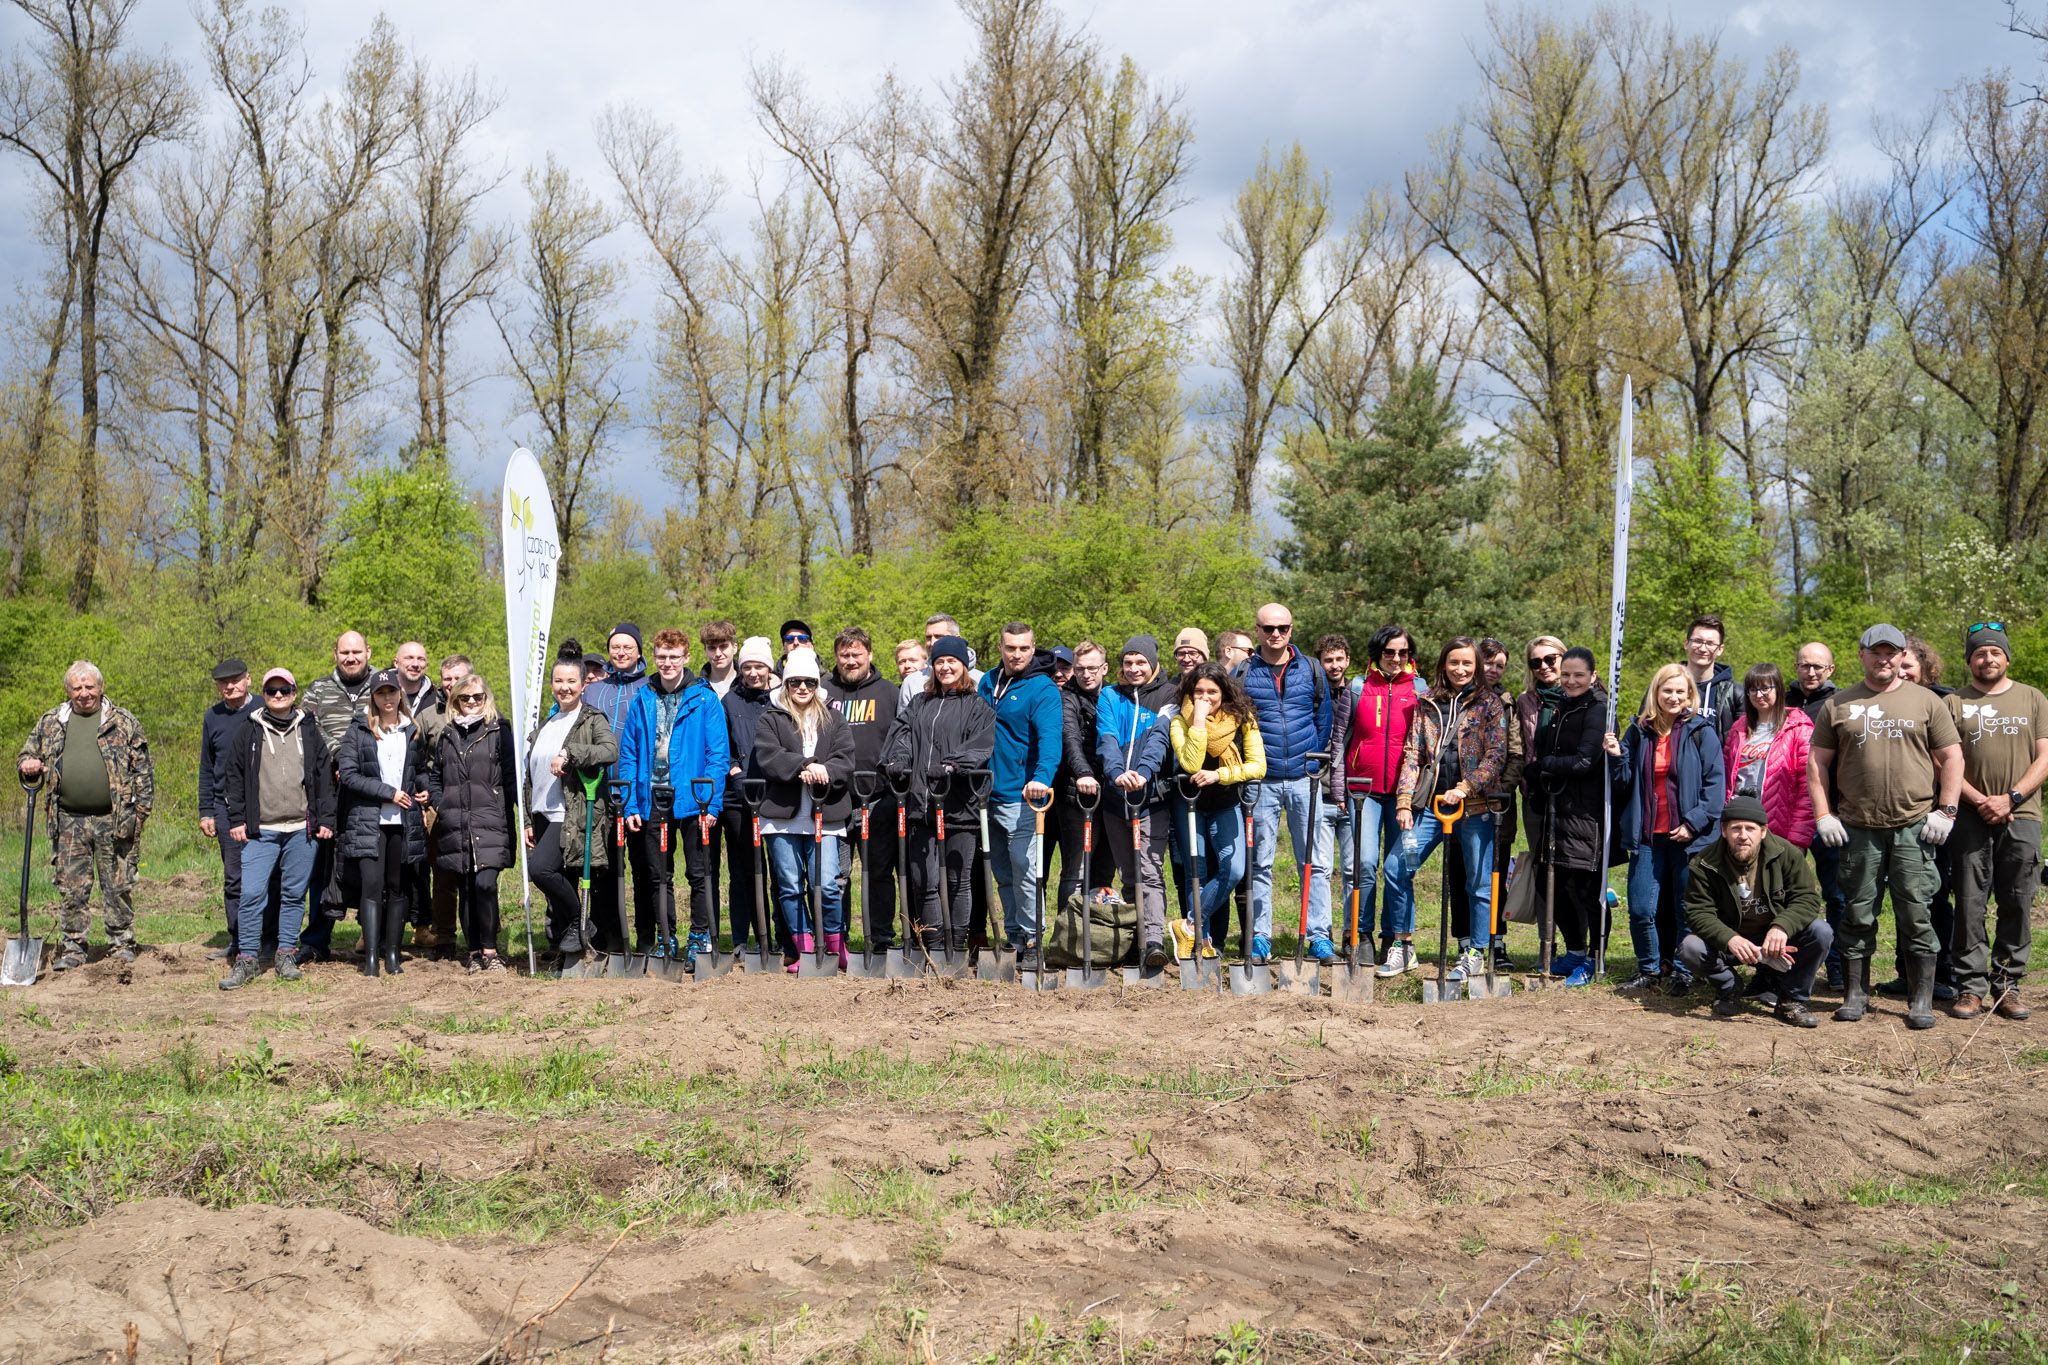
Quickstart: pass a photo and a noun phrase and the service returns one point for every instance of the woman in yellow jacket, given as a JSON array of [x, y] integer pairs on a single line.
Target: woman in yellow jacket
[[1216, 744]]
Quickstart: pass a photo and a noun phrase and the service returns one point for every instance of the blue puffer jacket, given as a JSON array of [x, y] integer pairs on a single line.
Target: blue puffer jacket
[[697, 748], [1698, 783], [1133, 737], [1295, 716], [1030, 722], [611, 696]]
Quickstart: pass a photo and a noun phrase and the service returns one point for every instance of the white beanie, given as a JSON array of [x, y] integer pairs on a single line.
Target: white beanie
[[801, 663], [756, 650]]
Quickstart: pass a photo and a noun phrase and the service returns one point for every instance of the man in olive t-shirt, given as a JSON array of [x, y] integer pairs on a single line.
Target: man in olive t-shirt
[[1898, 768], [2004, 730]]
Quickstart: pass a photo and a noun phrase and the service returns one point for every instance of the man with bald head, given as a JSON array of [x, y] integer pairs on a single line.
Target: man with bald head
[[1291, 694], [416, 690], [333, 701]]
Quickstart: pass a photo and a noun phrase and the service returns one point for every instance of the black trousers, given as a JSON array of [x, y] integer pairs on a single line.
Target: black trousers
[[1578, 904], [554, 881], [736, 828], [877, 918], [383, 882], [963, 842], [476, 902]]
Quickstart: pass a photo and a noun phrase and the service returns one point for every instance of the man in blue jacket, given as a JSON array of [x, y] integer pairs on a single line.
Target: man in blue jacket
[[610, 694], [1291, 694], [1132, 741], [672, 764], [1027, 756]]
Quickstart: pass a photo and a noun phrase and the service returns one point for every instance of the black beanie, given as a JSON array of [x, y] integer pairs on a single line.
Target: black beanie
[[1146, 645], [1746, 808], [625, 628], [951, 647]]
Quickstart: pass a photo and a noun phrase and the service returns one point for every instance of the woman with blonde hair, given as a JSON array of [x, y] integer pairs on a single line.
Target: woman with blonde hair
[[805, 752], [383, 830], [1669, 788], [472, 784]]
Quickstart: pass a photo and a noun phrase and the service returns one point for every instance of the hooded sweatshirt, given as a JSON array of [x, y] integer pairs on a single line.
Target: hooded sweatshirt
[[611, 695], [1029, 723], [869, 708]]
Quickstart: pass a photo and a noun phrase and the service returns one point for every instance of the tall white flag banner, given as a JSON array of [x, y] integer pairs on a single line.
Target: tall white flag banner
[[532, 552], [1617, 620]]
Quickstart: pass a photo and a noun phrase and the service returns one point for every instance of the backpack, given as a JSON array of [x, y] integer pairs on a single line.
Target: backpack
[[1115, 933]]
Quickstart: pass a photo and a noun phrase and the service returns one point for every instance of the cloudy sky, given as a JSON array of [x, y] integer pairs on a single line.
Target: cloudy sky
[[1361, 83]]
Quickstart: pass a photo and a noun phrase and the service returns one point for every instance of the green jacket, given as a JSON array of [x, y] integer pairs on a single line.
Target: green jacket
[[1786, 895], [591, 747], [131, 776]]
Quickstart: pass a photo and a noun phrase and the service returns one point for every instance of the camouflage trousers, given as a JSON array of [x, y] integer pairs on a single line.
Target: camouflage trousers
[[85, 847]]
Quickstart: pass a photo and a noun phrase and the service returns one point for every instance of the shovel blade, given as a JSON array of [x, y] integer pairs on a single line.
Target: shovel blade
[[24, 956], [997, 964], [574, 967], [1039, 979], [1255, 979], [1484, 988], [956, 966], [1202, 974], [902, 964], [810, 968], [1297, 978], [1145, 978], [1352, 985], [1079, 980], [1436, 992], [635, 965], [868, 968]]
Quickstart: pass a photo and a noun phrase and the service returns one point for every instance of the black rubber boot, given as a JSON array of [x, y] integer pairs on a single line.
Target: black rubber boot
[[369, 915], [1920, 992], [1855, 990]]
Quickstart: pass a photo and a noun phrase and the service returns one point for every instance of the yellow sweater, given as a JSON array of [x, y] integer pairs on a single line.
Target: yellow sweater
[[1191, 750]]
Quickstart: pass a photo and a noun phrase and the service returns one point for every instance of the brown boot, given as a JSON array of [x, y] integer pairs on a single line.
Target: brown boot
[[1968, 1005], [2009, 1006]]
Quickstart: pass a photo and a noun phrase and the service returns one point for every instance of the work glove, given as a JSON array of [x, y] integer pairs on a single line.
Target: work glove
[[1830, 831], [1937, 828]]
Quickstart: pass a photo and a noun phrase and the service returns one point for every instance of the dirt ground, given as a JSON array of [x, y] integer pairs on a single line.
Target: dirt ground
[[1205, 1178]]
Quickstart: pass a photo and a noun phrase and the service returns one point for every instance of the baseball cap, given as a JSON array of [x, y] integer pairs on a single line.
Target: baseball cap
[[276, 673], [386, 677], [1061, 654]]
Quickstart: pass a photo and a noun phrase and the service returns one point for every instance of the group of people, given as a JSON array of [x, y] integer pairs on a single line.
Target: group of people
[[1762, 823]]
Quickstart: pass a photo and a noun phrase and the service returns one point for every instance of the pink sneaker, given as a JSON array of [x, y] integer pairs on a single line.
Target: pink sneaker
[[835, 944]]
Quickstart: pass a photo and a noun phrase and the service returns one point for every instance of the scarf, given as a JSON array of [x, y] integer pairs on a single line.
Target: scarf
[[1221, 729]]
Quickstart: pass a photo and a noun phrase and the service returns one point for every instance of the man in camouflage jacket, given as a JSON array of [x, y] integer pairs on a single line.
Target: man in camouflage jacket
[[104, 789], [333, 701]]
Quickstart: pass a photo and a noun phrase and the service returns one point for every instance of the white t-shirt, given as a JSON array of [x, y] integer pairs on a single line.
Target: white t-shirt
[[801, 824], [391, 747], [547, 788]]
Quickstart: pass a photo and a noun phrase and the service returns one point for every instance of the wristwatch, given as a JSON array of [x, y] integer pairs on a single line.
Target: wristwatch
[[2015, 797], [1949, 811]]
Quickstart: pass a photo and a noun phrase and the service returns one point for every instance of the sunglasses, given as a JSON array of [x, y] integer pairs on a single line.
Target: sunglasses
[[1544, 660], [1397, 654], [469, 696], [800, 682], [1976, 626], [793, 638], [1275, 630], [279, 691]]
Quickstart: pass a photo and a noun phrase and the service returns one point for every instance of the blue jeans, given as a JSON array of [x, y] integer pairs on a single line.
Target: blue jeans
[[1222, 864], [1657, 873], [1013, 862], [1290, 796], [789, 861], [291, 856], [1474, 834]]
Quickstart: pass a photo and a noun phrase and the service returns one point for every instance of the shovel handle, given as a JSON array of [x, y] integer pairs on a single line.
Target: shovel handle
[[1446, 815]]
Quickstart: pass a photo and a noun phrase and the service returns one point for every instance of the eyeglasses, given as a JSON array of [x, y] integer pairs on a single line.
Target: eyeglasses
[[1275, 630], [796, 638], [1762, 689], [1815, 668], [1544, 660], [279, 691], [1397, 654]]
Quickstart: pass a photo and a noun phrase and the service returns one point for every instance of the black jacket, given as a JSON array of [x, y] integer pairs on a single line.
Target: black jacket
[[743, 708], [362, 783], [956, 731], [1566, 769], [216, 733], [869, 708], [473, 779], [1077, 745], [245, 759], [779, 756]]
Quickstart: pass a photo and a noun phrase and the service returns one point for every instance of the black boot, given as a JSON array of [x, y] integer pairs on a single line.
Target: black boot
[[1920, 992], [389, 945], [369, 915], [1855, 989]]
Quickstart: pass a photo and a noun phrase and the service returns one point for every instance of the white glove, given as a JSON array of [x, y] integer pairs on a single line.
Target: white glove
[[1828, 829], [1936, 830]]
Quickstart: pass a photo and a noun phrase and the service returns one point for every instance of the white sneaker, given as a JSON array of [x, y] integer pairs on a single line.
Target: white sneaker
[[1400, 958]]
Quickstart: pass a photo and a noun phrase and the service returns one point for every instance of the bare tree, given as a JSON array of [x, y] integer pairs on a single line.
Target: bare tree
[[42, 403], [448, 260], [1275, 300], [82, 114], [564, 353]]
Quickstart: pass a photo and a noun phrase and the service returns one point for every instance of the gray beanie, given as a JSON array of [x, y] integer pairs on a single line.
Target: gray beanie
[[1146, 645]]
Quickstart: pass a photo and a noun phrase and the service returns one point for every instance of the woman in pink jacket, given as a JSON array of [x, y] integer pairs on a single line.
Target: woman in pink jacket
[[1765, 755]]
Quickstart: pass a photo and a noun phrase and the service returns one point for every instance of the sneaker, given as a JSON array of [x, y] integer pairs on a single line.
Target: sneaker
[[1262, 949], [1501, 961], [288, 967], [1895, 988], [1027, 957], [1764, 992], [1183, 935], [1566, 963], [1208, 950], [1727, 1004], [492, 962], [1321, 949], [1400, 957], [1642, 981], [572, 941], [1836, 981], [472, 964], [1455, 973], [695, 944], [1155, 955], [243, 972], [1944, 992], [1677, 984], [1581, 974], [220, 954], [1474, 964]]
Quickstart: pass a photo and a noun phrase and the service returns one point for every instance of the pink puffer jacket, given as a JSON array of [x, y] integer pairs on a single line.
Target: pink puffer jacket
[[1787, 803]]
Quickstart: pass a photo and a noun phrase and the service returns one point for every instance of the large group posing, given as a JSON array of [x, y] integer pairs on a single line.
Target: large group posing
[[1762, 821]]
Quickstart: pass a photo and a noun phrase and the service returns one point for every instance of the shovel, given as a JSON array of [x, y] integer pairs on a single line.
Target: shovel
[[998, 958], [1152, 978], [755, 791], [1443, 990], [1352, 982], [1042, 977], [1086, 977], [615, 961], [587, 963], [663, 963], [709, 963], [817, 966], [903, 962], [1200, 970], [1546, 921], [24, 954], [1248, 977], [950, 962], [1492, 986], [867, 785]]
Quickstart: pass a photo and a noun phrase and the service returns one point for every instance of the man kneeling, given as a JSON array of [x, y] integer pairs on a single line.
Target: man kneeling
[[1752, 899]]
